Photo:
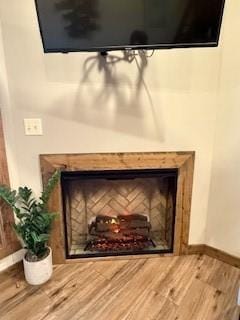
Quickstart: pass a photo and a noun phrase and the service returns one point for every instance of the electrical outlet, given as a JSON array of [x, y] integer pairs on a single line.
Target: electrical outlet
[[239, 296], [33, 127]]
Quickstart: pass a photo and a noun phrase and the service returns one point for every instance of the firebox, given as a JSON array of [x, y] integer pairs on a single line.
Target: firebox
[[119, 212]]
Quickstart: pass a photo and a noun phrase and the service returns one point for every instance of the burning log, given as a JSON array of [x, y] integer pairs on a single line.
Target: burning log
[[130, 217], [120, 226], [121, 233]]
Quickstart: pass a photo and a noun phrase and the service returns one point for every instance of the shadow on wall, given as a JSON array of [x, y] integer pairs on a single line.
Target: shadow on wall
[[115, 103]]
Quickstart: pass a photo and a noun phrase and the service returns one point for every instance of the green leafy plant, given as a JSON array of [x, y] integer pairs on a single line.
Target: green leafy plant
[[34, 219]]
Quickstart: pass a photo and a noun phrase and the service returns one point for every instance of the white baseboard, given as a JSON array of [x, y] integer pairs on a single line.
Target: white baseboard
[[11, 260]]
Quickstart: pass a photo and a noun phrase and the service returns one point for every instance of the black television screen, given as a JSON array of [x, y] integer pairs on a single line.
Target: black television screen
[[103, 25]]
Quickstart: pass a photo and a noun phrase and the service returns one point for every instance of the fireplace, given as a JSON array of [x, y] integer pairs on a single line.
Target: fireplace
[[119, 212], [117, 204]]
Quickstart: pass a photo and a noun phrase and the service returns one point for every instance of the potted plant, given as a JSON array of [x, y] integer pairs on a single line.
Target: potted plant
[[33, 227]]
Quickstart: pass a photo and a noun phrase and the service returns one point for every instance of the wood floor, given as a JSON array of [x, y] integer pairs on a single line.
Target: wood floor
[[170, 288]]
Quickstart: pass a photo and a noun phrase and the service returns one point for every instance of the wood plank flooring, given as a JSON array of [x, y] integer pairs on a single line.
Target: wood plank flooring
[[169, 288]]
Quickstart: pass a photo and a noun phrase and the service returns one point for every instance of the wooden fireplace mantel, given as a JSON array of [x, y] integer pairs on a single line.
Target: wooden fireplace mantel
[[183, 161]]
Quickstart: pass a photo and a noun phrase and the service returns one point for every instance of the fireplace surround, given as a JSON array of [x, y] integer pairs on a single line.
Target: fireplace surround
[[120, 204]]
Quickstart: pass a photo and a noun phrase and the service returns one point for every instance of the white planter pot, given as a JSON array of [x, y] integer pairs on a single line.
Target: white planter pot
[[39, 272]]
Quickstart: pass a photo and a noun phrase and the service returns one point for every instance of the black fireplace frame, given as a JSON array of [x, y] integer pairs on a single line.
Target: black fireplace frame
[[120, 174]]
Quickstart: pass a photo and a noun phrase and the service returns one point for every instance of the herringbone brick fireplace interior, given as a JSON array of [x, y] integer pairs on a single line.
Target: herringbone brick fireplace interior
[[114, 213]]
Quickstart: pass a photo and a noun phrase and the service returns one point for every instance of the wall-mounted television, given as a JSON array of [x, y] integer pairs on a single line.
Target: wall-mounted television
[[104, 25]]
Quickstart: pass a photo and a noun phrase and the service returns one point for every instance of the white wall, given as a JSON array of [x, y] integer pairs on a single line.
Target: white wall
[[87, 106], [223, 224]]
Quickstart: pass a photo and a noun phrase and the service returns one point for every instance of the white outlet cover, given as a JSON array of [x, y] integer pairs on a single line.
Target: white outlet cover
[[33, 127], [239, 296]]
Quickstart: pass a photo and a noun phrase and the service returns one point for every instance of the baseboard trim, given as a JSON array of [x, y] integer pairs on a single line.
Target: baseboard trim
[[17, 267], [196, 249], [214, 253]]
